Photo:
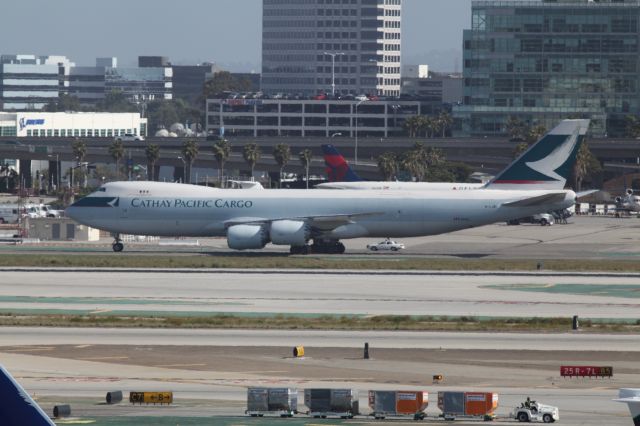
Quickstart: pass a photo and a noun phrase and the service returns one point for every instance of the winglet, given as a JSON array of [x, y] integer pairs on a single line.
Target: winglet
[[18, 408], [338, 169], [548, 163]]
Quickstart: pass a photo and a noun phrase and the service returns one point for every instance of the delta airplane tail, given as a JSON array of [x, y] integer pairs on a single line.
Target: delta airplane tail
[[548, 163], [338, 169], [17, 408], [631, 397]]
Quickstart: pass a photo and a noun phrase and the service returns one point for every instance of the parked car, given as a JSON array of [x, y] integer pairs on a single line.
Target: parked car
[[129, 137], [543, 219], [386, 245]]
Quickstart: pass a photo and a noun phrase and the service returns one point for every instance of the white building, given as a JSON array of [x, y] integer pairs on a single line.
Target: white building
[[301, 39], [71, 124]]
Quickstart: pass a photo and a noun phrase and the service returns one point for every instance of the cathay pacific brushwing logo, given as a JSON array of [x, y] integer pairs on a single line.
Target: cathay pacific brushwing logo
[[115, 202], [549, 164]]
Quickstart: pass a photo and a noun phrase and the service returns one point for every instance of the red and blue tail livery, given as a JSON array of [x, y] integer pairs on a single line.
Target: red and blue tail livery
[[17, 407], [548, 163], [338, 169]]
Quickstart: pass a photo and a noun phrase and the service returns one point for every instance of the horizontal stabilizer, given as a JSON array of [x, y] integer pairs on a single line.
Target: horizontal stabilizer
[[631, 397], [539, 200]]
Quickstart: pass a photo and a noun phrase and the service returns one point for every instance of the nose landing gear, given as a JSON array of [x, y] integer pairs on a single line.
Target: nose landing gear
[[117, 245]]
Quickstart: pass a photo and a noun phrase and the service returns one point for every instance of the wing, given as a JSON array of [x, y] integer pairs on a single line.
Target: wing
[[321, 222]]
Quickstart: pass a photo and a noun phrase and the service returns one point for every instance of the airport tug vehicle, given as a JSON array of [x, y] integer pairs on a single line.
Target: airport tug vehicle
[[532, 411]]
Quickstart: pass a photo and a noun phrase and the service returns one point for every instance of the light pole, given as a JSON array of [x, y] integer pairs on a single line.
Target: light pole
[[184, 168], [333, 69], [355, 162]]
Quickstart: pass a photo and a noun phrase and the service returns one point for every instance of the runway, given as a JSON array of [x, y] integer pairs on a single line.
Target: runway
[[45, 336], [319, 293]]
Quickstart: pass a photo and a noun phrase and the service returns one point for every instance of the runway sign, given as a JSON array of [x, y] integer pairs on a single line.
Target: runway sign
[[151, 397], [585, 371]]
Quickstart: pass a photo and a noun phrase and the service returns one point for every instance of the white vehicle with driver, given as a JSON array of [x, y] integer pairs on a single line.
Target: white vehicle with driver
[[386, 245], [532, 411]]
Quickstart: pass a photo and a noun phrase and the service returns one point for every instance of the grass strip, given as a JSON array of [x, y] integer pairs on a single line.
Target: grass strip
[[324, 322], [270, 261]]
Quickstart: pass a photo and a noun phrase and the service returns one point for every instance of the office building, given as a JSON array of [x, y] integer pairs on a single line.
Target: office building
[[308, 46], [30, 81], [439, 88], [543, 61], [71, 124]]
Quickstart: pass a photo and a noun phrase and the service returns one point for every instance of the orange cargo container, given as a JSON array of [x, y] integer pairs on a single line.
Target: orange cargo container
[[480, 403], [472, 404], [411, 402], [398, 403]]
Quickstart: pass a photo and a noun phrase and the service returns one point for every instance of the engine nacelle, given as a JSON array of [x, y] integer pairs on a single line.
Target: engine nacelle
[[290, 232], [618, 200], [629, 191], [243, 237]]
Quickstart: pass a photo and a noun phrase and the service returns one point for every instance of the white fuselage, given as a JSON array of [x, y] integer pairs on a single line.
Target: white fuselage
[[167, 209], [402, 186]]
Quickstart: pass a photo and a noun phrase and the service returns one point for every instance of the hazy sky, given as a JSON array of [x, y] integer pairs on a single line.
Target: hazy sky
[[188, 31]]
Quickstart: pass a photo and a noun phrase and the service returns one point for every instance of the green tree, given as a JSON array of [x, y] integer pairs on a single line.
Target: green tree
[[189, 151], [116, 150], [79, 150], [430, 126], [251, 154], [520, 149], [164, 112], [64, 103], [282, 155], [444, 122], [516, 129], [586, 165], [632, 126], [534, 133], [152, 152], [222, 152], [224, 81], [305, 157], [388, 165], [116, 101]]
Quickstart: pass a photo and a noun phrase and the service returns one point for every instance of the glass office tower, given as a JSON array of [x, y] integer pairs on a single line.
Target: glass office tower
[[544, 61]]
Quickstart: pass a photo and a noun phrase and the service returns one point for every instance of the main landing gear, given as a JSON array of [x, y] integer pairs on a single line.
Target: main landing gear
[[117, 245], [320, 247]]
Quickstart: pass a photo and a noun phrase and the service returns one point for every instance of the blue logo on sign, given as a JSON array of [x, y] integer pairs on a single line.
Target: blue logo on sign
[[30, 122]]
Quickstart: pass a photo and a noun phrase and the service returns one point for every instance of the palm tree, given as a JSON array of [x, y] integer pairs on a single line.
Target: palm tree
[[251, 154], [388, 165], [79, 149], [586, 164], [116, 150], [282, 154], [413, 163], [222, 152], [190, 151], [152, 151], [305, 158], [431, 125], [632, 126], [434, 156], [412, 125], [444, 122]]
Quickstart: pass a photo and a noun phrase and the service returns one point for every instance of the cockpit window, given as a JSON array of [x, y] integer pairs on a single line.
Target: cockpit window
[[103, 189]]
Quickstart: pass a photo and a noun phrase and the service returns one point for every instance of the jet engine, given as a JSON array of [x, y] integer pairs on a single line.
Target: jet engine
[[243, 237], [290, 232], [629, 191]]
